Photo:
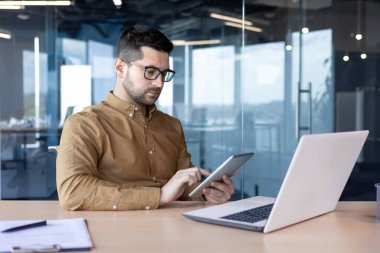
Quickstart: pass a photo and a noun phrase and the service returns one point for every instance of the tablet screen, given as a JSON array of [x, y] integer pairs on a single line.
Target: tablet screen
[[228, 167]]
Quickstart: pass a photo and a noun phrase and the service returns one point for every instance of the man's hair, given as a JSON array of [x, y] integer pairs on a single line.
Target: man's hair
[[132, 38]]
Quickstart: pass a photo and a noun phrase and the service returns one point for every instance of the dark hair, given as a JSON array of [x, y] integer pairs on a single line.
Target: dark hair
[[132, 38]]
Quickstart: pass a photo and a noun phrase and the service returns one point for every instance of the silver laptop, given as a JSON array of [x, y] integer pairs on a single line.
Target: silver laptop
[[312, 186]]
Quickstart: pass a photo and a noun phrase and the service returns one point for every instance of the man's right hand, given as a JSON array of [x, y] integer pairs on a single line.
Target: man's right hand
[[179, 182]]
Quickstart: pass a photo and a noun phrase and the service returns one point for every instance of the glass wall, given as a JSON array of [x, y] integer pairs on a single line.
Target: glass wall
[[28, 103], [251, 76]]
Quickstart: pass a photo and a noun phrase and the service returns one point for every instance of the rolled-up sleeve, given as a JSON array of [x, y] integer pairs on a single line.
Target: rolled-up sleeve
[[78, 183]]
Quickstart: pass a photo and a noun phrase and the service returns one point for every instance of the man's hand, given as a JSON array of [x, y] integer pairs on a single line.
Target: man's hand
[[220, 192], [179, 182]]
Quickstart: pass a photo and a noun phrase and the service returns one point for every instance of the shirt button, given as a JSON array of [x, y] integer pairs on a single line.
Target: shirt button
[[150, 152], [114, 206], [130, 115], [147, 207]]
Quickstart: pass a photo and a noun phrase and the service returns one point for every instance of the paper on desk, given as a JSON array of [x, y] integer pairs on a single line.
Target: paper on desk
[[67, 233]]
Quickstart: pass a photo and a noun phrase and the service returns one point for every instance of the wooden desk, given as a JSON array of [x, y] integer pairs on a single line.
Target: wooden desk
[[352, 228]]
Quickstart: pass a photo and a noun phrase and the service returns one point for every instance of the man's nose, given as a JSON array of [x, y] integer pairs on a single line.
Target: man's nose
[[159, 82]]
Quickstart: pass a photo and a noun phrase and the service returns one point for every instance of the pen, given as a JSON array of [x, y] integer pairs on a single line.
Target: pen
[[27, 226]]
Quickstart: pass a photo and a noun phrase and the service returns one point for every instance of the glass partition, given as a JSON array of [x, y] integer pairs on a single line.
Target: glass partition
[[251, 76], [28, 104]]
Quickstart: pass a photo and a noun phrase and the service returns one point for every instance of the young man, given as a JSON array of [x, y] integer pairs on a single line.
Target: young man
[[124, 154]]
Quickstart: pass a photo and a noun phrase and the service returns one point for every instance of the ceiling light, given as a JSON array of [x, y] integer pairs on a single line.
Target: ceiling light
[[305, 30], [35, 3], [250, 28], [5, 34], [231, 19], [117, 3], [23, 16], [363, 56], [358, 35], [346, 58], [10, 7], [195, 42]]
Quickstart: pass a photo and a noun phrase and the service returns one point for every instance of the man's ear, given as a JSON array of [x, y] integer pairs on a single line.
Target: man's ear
[[120, 67]]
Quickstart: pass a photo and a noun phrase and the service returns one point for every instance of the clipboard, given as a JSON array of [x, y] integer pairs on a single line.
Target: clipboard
[[55, 236]]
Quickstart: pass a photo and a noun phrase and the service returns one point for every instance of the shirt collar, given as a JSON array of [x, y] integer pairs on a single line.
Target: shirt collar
[[126, 107]]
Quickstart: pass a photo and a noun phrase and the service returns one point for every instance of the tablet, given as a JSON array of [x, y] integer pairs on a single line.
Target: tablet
[[233, 163]]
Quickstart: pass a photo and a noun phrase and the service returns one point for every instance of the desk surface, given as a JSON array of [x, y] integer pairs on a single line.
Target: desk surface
[[351, 228]]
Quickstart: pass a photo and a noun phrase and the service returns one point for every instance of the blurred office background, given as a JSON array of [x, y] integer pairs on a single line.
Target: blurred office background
[[251, 76]]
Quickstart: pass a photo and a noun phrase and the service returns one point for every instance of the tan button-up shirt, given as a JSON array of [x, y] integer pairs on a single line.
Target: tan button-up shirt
[[113, 158]]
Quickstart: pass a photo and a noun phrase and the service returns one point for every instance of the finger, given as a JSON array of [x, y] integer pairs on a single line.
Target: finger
[[209, 196], [196, 170], [212, 200], [213, 192], [224, 189], [190, 179], [229, 182], [215, 196], [216, 193], [193, 171], [204, 172]]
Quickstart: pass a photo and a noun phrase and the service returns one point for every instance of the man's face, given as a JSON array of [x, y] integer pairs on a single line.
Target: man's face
[[139, 89]]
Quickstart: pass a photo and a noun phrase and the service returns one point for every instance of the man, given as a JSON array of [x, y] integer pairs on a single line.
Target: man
[[124, 154]]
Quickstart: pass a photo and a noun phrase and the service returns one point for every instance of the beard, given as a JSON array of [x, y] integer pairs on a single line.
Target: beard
[[142, 97]]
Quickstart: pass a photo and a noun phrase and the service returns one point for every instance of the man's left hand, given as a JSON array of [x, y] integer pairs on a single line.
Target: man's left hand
[[220, 192]]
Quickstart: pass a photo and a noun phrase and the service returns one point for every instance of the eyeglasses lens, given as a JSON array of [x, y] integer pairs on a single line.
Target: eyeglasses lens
[[153, 73]]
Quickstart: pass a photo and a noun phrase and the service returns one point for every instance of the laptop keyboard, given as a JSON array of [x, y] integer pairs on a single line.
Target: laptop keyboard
[[251, 215]]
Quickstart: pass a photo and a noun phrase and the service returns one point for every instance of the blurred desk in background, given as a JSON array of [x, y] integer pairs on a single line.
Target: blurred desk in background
[[27, 168]]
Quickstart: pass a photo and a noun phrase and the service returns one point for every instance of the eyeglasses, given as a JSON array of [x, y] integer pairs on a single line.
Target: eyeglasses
[[152, 73]]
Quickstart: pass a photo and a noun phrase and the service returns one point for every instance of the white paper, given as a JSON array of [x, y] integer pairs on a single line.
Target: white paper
[[67, 233]]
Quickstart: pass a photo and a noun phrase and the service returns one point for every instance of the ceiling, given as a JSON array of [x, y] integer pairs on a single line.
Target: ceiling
[[185, 19]]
